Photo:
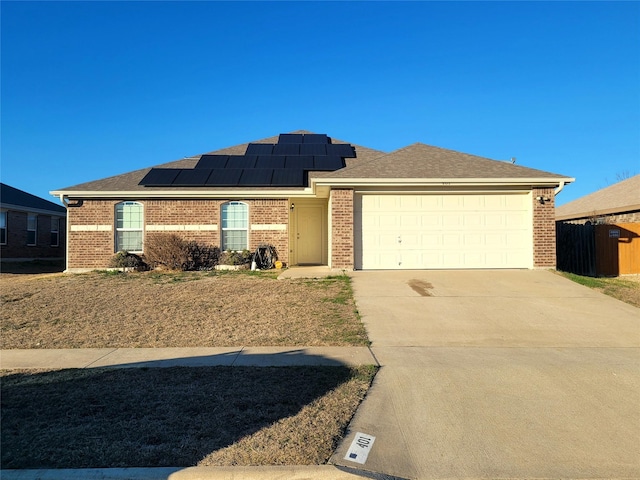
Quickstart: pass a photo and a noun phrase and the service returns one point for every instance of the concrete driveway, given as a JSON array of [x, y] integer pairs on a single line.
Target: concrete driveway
[[498, 374]]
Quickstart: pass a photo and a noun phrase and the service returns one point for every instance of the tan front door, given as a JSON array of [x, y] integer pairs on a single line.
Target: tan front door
[[309, 235]]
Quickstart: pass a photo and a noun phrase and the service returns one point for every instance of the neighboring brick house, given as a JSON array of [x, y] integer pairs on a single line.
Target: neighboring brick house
[[617, 203], [599, 234], [30, 227], [320, 201]]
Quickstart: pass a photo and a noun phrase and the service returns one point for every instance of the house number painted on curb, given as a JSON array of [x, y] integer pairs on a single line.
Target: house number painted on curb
[[360, 448]]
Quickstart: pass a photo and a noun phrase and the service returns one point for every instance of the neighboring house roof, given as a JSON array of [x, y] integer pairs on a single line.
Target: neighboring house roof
[[14, 199], [620, 197], [421, 163]]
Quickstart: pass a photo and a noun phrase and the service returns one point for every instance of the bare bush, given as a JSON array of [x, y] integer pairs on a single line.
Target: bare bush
[[166, 250], [172, 252]]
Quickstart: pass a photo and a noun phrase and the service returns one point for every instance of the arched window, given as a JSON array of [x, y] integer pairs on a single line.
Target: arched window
[[129, 223], [235, 226]]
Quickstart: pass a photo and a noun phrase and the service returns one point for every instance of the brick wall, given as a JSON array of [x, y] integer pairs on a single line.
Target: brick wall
[[17, 248], [626, 217], [93, 245], [92, 239], [342, 238], [544, 229], [266, 220]]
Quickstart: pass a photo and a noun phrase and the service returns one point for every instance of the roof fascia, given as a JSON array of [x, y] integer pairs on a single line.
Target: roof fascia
[[85, 194], [599, 213], [362, 182], [41, 211]]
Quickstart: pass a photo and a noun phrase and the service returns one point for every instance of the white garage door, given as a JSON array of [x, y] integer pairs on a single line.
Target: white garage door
[[444, 231]]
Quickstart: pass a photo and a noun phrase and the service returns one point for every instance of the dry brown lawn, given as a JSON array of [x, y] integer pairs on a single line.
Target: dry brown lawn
[[180, 309], [179, 417], [148, 417]]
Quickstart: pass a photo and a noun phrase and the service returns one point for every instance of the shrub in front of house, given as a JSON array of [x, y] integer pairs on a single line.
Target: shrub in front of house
[[166, 250], [126, 260], [201, 257], [230, 257]]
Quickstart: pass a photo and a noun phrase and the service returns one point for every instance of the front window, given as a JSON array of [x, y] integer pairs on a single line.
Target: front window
[[55, 231], [32, 229], [235, 226], [129, 221], [3, 228]]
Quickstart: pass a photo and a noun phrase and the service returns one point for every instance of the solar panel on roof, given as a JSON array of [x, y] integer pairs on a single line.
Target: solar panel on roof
[[259, 149], [290, 138], [286, 149], [341, 149], [304, 162], [242, 161], [192, 177], [315, 138], [274, 161], [224, 177], [288, 177], [328, 163], [313, 149], [256, 177], [159, 177], [212, 161]]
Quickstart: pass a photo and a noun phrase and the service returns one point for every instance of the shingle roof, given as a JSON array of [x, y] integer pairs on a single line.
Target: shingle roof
[[426, 162], [620, 197], [418, 161], [11, 196], [129, 182]]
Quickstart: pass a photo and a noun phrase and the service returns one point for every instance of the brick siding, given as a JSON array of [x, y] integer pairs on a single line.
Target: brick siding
[[623, 217], [342, 238], [92, 244], [91, 248], [544, 229], [17, 248]]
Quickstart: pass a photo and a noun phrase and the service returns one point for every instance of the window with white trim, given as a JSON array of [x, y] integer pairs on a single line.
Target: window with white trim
[[129, 223], [3, 228], [55, 231], [235, 226], [32, 229]]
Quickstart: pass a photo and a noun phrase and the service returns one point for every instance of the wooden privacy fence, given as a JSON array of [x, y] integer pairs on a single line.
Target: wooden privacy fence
[[598, 250]]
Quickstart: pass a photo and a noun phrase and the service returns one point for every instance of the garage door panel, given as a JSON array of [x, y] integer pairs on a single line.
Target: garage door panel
[[451, 220], [430, 220], [514, 220], [445, 231]]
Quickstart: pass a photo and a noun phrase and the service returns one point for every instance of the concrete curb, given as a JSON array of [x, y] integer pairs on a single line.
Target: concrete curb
[[318, 472]]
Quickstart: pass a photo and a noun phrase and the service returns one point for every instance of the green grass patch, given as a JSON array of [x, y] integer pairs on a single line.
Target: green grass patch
[[627, 291]]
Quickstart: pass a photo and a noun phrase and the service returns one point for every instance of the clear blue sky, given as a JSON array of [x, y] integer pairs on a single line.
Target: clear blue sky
[[94, 89]]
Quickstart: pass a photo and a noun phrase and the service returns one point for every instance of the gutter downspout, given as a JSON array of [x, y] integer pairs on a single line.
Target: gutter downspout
[[559, 188]]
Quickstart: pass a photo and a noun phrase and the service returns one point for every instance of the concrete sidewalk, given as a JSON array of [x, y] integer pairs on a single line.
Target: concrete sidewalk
[[186, 357]]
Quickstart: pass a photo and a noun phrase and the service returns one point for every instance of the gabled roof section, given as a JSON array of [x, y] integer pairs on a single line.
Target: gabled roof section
[[620, 197], [282, 164], [420, 161], [13, 198], [128, 183]]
